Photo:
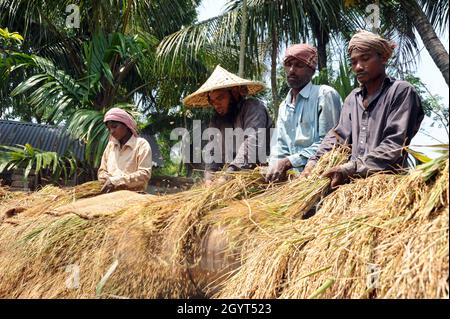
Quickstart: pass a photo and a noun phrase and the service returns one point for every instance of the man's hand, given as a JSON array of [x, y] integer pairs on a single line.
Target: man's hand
[[232, 169], [339, 175], [108, 187], [277, 171], [307, 171], [217, 182], [208, 182]]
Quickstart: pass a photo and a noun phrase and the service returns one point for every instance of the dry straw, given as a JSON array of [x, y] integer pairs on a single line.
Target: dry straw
[[381, 237], [139, 246]]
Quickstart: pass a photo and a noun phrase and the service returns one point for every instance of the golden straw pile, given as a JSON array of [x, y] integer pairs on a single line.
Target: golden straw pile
[[141, 245], [381, 237]]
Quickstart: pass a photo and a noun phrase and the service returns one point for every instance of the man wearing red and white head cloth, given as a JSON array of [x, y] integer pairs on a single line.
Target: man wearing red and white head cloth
[[127, 160], [304, 117]]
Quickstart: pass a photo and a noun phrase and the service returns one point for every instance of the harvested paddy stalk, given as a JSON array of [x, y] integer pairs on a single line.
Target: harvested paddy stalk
[[120, 253], [19, 205], [382, 237]]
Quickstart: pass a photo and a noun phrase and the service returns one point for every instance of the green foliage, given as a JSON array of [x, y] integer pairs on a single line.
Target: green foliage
[[288, 20], [8, 39], [28, 158], [343, 80], [81, 103], [432, 104]]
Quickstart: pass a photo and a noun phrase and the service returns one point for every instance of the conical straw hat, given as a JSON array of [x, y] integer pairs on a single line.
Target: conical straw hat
[[220, 79]]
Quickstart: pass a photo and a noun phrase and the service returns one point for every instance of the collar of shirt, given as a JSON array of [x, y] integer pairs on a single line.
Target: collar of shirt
[[304, 93], [131, 142], [361, 92], [362, 89]]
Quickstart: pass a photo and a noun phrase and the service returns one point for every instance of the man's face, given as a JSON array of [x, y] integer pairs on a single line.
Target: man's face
[[298, 74], [367, 65], [220, 99], [117, 130]]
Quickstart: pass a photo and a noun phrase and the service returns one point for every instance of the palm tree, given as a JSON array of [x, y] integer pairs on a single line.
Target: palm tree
[[243, 39], [437, 13], [81, 102], [400, 19], [271, 24], [72, 77], [43, 25]]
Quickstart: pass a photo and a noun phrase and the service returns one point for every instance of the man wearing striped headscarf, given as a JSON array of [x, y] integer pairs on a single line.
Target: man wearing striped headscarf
[[127, 159], [378, 119], [305, 116]]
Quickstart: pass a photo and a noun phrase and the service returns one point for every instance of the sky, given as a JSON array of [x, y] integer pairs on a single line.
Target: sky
[[427, 71]]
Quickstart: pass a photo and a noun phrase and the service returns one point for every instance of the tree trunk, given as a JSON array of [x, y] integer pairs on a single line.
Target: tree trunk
[[273, 73], [428, 35], [322, 38], [322, 41], [243, 39], [126, 17]]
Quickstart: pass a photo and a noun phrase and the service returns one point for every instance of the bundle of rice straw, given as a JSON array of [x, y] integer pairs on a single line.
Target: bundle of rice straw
[[18, 205], [381, 237], [180, 232], [283, 203], [116, 254]]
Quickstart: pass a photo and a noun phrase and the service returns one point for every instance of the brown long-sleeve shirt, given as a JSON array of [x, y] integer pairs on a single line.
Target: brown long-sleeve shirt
[[377, 135], [250, 114]]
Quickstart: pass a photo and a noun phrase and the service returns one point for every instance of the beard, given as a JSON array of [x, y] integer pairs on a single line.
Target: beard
[[297, 83], [231, 114]]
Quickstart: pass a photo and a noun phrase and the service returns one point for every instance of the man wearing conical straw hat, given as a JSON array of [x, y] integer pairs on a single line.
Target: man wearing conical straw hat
[[378, 119], [305, 116], [235, 111]]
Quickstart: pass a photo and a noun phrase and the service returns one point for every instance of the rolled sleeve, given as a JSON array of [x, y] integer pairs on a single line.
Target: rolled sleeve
[[339, 134], [297, 160], [406, 111]]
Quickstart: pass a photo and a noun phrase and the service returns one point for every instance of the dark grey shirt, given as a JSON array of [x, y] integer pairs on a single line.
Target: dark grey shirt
[[377, 135], [251, 113]]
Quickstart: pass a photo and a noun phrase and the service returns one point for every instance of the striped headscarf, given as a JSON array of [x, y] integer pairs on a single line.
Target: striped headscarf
[[119, 115], [368, 41], [304, 53]]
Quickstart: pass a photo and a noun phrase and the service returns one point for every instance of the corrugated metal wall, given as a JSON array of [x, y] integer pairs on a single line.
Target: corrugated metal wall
[[52, 139], [43, 137]]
